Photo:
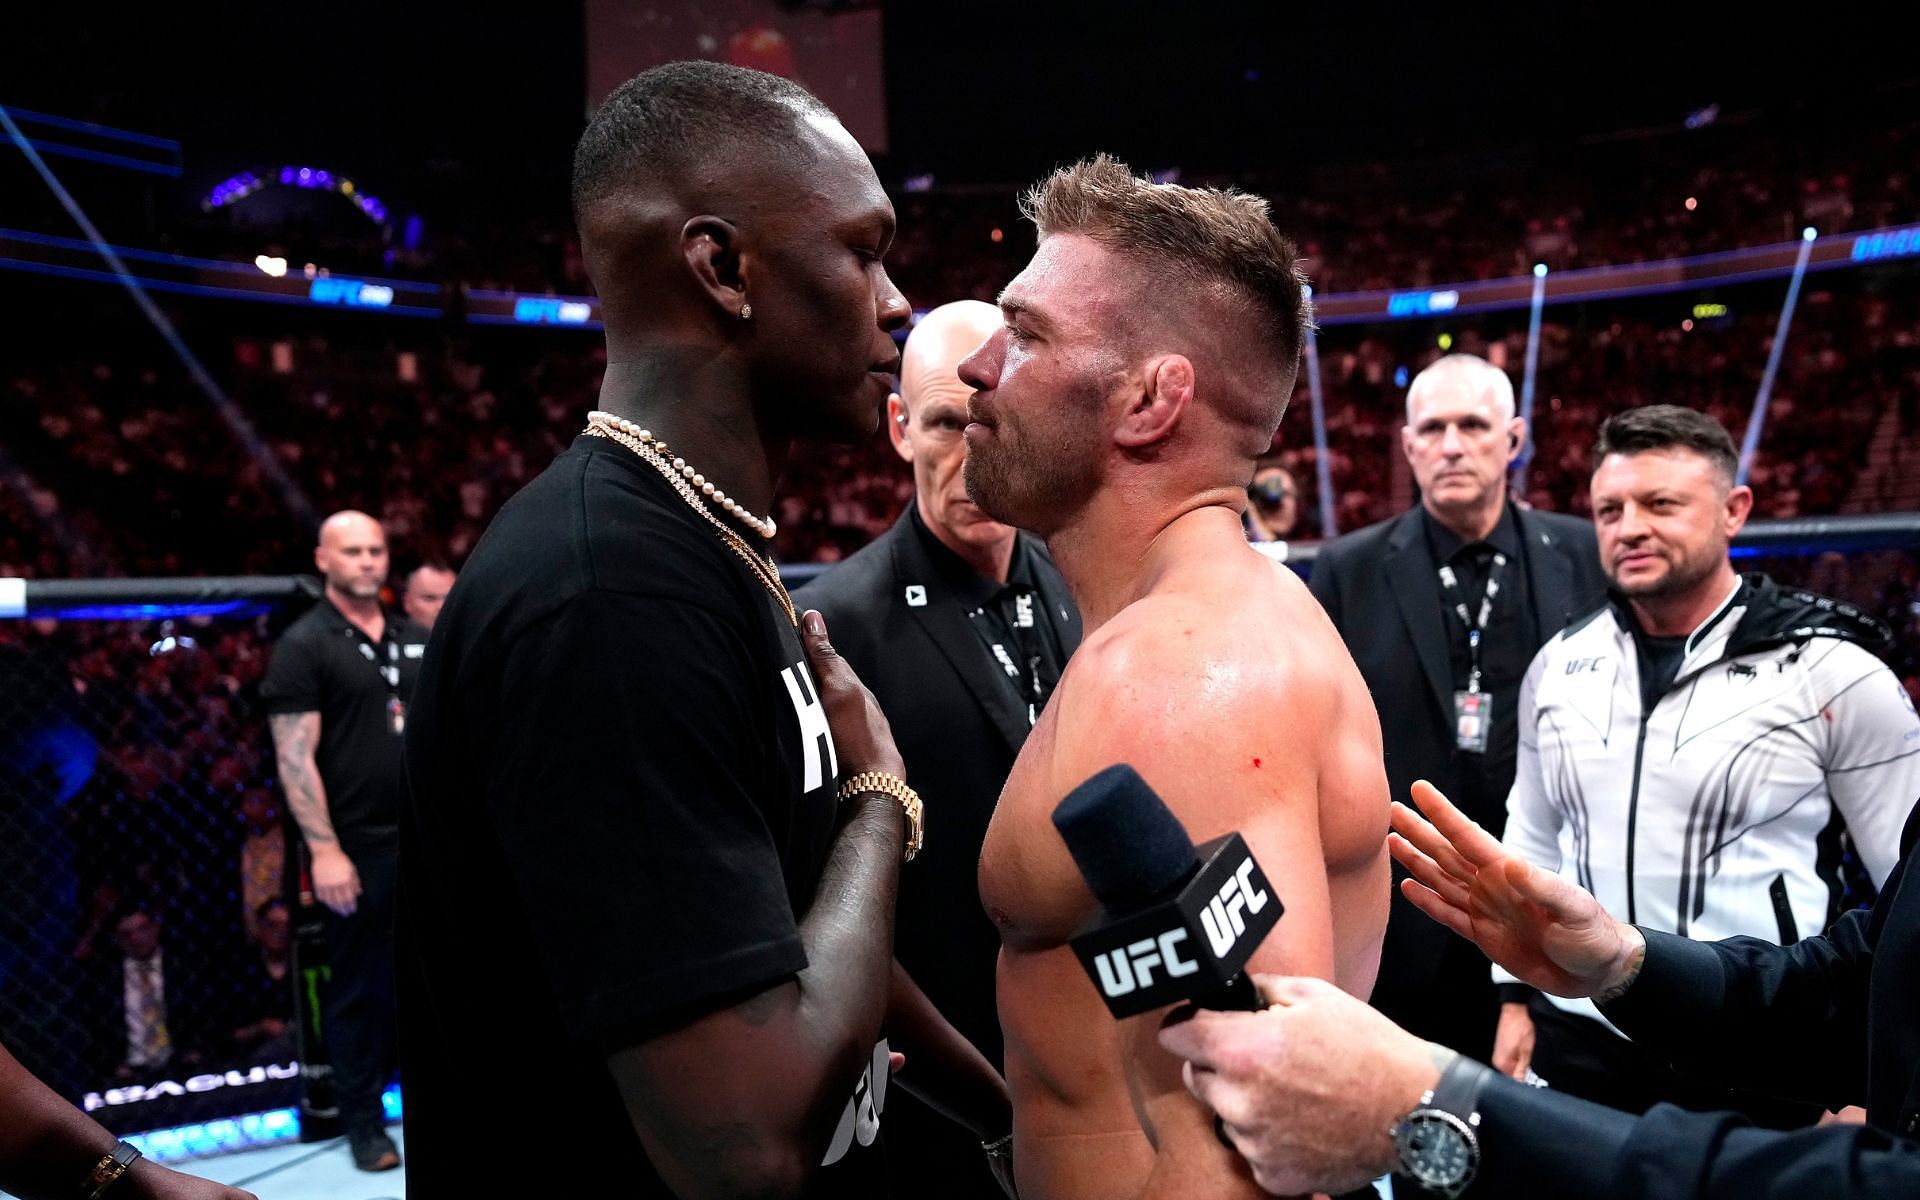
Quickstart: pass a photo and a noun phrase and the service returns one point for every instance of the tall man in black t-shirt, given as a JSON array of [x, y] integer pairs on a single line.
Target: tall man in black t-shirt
[[337, 692], [1442, 608], [655, 828]]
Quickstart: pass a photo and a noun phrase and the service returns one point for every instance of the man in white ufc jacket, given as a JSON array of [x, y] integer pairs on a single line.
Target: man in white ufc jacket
[[1707, 754]]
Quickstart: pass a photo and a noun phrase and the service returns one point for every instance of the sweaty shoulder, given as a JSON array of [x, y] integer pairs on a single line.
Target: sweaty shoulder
[[1237, 702], [1243, 673], [1251, 620]]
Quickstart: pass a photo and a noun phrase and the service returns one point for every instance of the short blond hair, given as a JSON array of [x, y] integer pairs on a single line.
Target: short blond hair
[[1206, 235]]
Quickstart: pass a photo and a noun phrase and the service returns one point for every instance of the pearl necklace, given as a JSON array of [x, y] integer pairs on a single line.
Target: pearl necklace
[[653, 452], [763, 526]]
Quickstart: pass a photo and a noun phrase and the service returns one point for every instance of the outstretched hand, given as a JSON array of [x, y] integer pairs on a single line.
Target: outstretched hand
[[1546, 931], [1307, 1088]]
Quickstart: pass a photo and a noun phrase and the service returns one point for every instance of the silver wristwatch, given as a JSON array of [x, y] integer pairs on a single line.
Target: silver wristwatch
[[1438, 1143]]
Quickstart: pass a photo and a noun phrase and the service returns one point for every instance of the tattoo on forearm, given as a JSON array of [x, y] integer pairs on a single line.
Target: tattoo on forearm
[[1636, 958], [294, 736]]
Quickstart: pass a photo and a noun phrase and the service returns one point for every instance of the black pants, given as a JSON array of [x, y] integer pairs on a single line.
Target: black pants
[[1581, 1057], [358, 1015]]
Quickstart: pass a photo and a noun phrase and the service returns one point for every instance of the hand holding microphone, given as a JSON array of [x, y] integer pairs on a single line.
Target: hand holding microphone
[[1267, 1055], [1175, 923]]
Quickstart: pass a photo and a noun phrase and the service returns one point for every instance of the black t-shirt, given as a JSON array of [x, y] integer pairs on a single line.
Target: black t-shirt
[[324, 663], [622, 801]]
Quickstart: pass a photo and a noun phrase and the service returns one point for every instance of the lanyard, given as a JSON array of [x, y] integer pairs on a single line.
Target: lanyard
[[1450, 584], [1023, 630], [390, 673]]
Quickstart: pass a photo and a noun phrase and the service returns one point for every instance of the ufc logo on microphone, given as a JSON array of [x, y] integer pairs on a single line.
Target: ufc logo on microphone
[[1222, 916], [1123, 970], [815, 735]]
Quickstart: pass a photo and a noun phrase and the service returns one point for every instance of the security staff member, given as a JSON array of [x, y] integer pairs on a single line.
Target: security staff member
[[337, 692], [961, 626], [1308, 1088], [1443, 607]]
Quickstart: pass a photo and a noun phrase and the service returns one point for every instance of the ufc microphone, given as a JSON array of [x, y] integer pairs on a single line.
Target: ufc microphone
[[1176, 924]]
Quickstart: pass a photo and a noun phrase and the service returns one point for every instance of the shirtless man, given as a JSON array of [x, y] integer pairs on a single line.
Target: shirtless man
[[1147, 355]]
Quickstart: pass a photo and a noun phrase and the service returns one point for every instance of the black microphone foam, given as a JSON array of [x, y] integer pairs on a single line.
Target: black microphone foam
[[1128, 845], [1176, 923]]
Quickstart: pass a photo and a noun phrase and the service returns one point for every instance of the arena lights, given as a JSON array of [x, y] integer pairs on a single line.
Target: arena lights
[[551, 310], [1539, 270], [1809, 233], [1897, 243], [237, 188], [350, 293], [270, 264], [1407, 304], [1706, 312], [232, 191], [36, 133], [219, 1137], [150, 612], [250, 1132]]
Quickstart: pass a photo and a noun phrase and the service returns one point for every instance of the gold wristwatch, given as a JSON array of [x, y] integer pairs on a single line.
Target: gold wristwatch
[[891, 785]]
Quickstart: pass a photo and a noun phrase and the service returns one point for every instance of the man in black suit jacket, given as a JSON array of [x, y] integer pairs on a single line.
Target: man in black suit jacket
[[1520, 575], [960, 626]]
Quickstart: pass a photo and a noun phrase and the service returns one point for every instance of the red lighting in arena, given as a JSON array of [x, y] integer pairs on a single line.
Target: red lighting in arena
[[763, 48]]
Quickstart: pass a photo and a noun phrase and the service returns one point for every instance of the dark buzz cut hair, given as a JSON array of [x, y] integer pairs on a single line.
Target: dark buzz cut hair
[[1665, 427], [656, 125], [1208, 235]]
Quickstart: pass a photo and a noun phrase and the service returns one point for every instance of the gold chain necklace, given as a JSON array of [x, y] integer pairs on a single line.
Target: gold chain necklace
[[763, 568], [763, 526]]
